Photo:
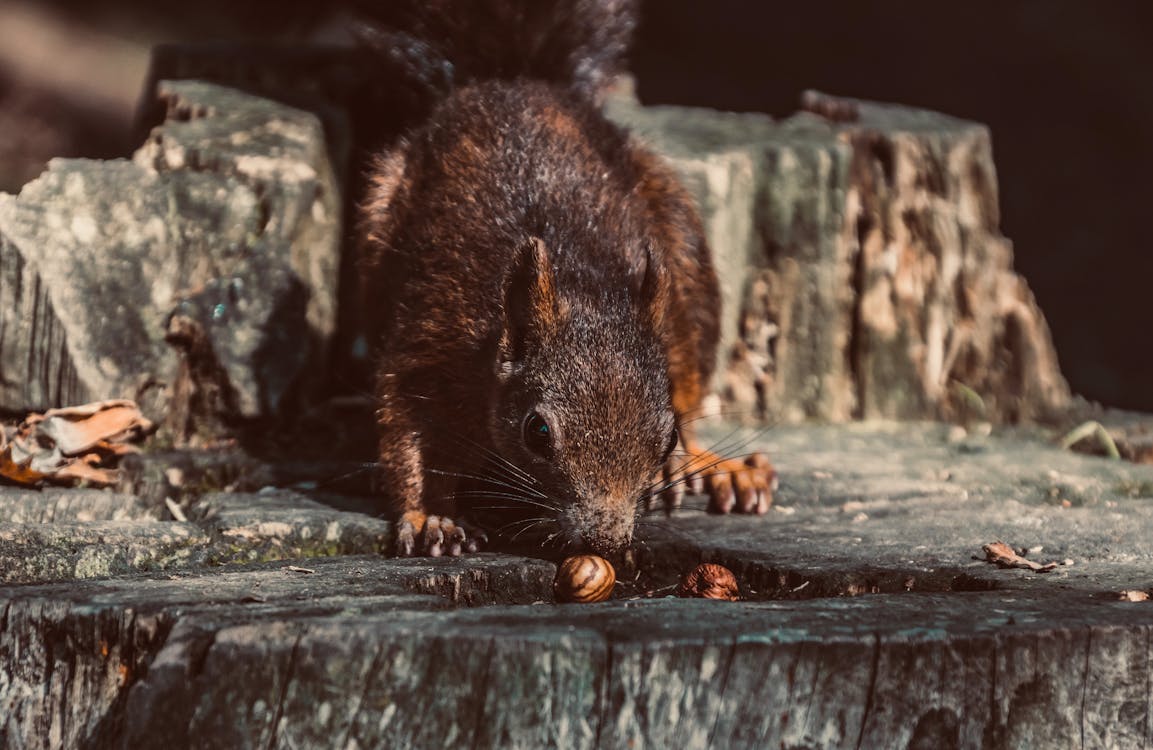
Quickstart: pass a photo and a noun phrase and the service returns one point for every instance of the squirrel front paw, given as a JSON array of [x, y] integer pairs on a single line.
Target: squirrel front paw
[[733, 484], [745, 486], [422, 535]]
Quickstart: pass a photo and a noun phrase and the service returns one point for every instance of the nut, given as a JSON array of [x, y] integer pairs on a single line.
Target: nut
[[710, 581], [584, 579]]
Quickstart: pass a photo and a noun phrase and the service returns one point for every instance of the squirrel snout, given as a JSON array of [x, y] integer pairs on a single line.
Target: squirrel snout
[[603, 524]]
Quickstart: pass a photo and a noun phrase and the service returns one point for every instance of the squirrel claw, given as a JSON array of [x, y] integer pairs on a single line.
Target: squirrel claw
[[435, 536], [720, 492], [475, 539], [407, 530], [735, 485]]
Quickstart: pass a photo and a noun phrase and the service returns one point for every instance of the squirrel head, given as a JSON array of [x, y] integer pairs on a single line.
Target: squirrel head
[[583, 403]]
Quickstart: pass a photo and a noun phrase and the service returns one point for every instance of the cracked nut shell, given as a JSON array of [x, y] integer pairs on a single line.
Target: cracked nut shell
[[584, 579], [710, 581]]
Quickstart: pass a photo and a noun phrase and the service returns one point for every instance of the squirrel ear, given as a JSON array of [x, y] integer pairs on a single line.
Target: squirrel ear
[[386, 174], [531, 305], [654, 290]]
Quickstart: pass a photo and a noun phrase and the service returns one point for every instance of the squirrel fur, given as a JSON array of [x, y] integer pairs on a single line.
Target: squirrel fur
[[538, 286]]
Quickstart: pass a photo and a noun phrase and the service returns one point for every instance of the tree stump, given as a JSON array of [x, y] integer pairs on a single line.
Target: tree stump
[[198, 278], [268, 620], [863, 271]]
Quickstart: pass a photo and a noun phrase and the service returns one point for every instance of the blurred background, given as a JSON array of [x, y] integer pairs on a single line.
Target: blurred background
[[1065, 85]]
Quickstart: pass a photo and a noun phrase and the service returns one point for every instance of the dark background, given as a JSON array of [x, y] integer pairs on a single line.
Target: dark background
[[1066, 87]]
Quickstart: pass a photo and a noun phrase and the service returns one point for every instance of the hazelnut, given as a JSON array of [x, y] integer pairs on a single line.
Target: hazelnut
[[584, 579], [710, 581]]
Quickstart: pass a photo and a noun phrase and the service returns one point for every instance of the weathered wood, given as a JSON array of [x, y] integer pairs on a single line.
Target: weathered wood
[[863, 271], [223, 231], [56, 535], [862, 268], [35, 367], [369, 651], [53, 505], [94, 549], [880, 671], [864, 275], [67, 656]]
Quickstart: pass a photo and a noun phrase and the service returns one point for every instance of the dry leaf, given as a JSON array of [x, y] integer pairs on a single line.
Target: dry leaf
[[1134, 596], [74, 444], [79, 428], [78, 471], [20, 473], [108, 448], [87, 410], [1003, 556]]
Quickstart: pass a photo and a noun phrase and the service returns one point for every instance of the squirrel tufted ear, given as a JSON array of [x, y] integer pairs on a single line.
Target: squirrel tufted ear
[[385, 179], [654, 288], [531, 304]]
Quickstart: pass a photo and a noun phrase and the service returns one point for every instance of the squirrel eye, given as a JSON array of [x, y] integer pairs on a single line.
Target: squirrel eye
[[537, 435]]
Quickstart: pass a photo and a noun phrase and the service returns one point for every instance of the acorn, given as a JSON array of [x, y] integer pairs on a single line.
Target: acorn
[[584, 579], [710, 581]]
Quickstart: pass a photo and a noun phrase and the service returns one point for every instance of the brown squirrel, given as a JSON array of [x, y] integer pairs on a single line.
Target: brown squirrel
[[539, 285]]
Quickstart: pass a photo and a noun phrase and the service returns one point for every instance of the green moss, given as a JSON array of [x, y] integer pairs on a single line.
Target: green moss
[[232, 554], [1133, 488]]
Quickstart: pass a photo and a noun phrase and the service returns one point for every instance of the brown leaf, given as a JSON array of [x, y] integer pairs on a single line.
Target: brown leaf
[[73, 444], [78, 428], [87, 410], [107, 448], [1003, 556], [17, 472], [81, 471]]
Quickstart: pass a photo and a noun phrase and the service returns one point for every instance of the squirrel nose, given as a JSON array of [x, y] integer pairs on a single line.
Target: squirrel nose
[[605, 526], [604, 544]]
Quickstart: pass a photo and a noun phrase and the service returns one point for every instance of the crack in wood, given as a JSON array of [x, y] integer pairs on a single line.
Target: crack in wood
[[478, 718], [992, 728], [362, 699], [603, 697], [1085, 683], [288, 676], [721, 687], [870, 696], [812, 690], [1148, 687]]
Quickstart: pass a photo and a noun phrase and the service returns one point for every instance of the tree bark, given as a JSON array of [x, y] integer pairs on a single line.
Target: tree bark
[[863, 269]]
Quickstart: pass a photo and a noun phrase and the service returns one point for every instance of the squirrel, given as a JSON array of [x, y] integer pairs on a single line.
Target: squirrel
[[538, 287]]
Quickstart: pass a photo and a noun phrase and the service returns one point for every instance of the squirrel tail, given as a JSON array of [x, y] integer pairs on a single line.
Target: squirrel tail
[[436, 45]]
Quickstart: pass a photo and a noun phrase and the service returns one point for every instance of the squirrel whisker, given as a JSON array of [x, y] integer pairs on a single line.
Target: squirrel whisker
[[523, 501], [509, 470], [487, 479], [529, 524], [362, 468]]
